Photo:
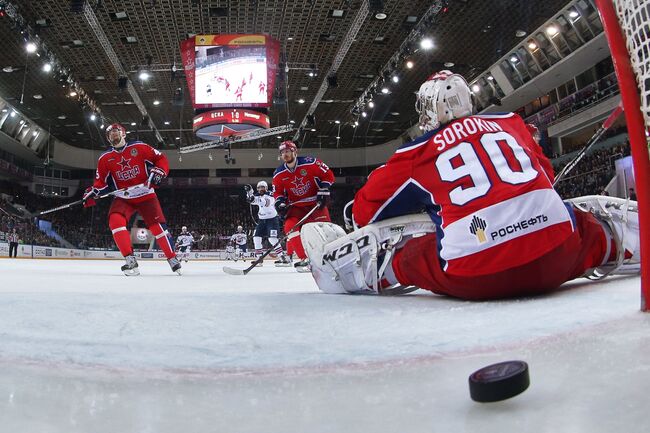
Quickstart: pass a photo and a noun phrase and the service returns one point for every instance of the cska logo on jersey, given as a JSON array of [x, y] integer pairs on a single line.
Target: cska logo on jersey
[[126, 172], [477, 228], [301, 187]]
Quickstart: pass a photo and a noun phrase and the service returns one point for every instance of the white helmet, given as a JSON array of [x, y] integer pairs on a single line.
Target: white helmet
[[262, 184], [445, 96], [184, 229], [240, 229]]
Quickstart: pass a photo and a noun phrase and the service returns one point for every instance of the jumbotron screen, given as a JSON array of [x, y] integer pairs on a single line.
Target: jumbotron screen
[[231, 70]]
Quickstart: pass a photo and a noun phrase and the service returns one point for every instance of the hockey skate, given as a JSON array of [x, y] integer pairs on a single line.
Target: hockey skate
[[302, 266], [283, 261], [620, 218], [175, 264], [360, 261], [130, 269]]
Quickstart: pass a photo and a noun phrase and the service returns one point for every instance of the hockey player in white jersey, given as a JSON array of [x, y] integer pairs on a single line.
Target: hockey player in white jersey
[[184, 243], [239, 240], [268, 224]]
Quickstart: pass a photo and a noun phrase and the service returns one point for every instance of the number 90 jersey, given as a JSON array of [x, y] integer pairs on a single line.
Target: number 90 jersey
[[485, 183]]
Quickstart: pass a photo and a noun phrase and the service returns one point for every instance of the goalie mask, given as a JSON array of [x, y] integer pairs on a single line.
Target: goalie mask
[[445, 96]]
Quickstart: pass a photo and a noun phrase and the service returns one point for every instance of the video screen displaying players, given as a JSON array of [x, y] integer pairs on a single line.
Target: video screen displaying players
[[231, 74]]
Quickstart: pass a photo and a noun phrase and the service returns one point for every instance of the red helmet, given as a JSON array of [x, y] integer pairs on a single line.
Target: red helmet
[[288, 145], [118, 127]]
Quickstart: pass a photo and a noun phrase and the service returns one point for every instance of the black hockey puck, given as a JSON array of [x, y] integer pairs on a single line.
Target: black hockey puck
[[498, 382]]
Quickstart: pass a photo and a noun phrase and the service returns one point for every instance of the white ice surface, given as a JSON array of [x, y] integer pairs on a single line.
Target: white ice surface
[[85, 349]]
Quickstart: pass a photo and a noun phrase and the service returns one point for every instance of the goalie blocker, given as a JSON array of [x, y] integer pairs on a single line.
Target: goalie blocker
[[390, 256]]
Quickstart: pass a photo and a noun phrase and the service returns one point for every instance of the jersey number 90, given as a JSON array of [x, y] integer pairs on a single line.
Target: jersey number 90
[[471, 166]]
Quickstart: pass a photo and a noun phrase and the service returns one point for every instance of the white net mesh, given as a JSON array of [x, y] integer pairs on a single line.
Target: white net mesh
[[634, 18]]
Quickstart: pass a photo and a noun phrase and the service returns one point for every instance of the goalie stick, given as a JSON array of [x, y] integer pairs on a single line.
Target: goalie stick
[[593, 140], [235, 271]]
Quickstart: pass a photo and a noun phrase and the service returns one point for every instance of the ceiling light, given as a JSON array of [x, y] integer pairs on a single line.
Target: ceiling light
[[476, 88], [156, 102], [356, 123], [364, 114], [337, 122], [338, 137], [395, 79], [574, 14], [490, 77], [290, 38], [371, 104], [449, 64], [279, 136], [313, 129], [301, 101], [409, 64], [30, 47], [292, 121], [8, 69], [35, 133], [47, 67], [426, 44], [520, 33], [144, 75], [312, 74], [13, 114], [93, 117], [101, 126], [551, 30], [532, 45], [62, 117], [380, 16], [38, 96], [178, 138], [168, 122], [384, 90], [132, 123], [73, 93], [513, 59]]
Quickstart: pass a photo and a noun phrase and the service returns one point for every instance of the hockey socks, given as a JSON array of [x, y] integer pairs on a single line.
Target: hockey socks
[[121, 235], [162, 238]]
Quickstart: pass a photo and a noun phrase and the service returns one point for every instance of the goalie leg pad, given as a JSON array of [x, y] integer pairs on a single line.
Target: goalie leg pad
[[620, 219], [356, 263]]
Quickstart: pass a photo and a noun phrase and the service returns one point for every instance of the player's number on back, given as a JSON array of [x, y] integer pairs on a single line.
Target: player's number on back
[[462, 161]]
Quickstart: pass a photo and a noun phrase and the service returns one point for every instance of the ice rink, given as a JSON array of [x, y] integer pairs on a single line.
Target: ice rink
[[85, 349]]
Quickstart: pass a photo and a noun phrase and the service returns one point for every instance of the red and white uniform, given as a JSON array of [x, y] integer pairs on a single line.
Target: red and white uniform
[[129, 167], [300, 186], [487, 186]]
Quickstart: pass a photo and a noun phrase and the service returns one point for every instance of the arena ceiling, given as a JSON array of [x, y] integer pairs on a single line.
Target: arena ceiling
[[471, 34]]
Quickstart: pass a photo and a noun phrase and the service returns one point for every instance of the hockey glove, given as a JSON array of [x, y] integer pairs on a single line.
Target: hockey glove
[[157, 175], [249, 193], [323, 197], [90, 194], [281, 206]]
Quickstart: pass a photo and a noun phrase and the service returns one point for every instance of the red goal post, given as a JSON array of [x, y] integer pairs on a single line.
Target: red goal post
[[627, 26]]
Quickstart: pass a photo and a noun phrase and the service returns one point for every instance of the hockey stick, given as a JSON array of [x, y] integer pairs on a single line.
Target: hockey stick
[[108, 194], [235, 271], [593, 140]]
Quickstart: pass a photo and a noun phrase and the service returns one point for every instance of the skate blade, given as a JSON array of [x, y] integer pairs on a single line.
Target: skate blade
[[303, 269], [283, 265], [132, 272], [233, 271]]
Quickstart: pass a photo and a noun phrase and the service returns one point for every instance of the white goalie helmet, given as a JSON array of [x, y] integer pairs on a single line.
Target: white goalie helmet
[[184, 229], [445, 96], [240, 229], [262, 184]]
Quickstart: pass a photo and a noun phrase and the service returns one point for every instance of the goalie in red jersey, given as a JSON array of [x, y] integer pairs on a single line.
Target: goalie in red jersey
[[469, 210], [139, 167], [299, 184]]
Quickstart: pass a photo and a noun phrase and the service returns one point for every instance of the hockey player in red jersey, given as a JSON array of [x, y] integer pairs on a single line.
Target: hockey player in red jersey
[[299, 184], [140, 167], [493, 225]]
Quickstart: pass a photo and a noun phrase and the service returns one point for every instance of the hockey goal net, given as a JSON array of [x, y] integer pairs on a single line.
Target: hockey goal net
[[627, 26]]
